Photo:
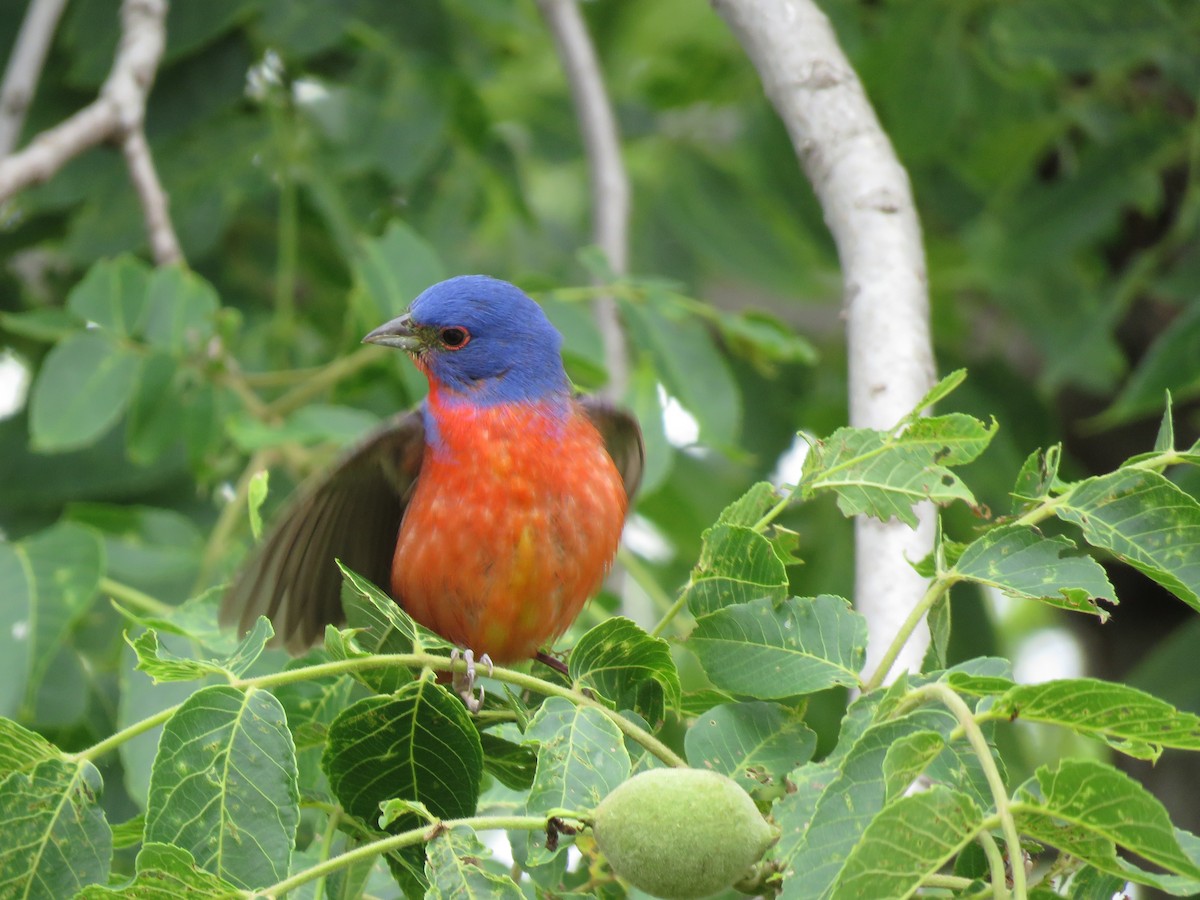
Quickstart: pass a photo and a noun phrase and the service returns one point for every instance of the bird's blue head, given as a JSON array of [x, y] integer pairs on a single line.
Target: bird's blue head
[[483, 340]]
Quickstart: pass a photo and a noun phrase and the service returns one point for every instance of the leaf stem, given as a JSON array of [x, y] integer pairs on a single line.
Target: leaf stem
[[331, 830], [949, 882], [445, 664], [409, 838], [642, 576], [113, 741], [672, 611], [966, 718], [995, 864], [131, 596], [323, 379], [937, 588]]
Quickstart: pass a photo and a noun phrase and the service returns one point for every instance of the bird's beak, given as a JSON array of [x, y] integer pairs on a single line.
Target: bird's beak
[[399, 333]]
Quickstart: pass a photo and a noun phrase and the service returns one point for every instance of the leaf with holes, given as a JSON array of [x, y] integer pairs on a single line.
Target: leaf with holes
[[223, 786], [1125, 718], [456, 866], [56, 839], [581, 758], [1088, 809], [883, 474], [1024, 564], [757, 744], [162, 665], [1147, 521], [627, 667], [163, 872], [821, 830], [910, 840], [737, 565]]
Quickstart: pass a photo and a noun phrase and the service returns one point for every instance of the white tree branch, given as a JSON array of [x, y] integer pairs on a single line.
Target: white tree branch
[[25, 68], [609, 181], [118, 113], [868, 206]]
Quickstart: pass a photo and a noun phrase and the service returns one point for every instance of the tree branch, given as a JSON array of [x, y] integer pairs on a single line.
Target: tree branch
[[118, 113], [606, 170], [25, 68], [868, 206]]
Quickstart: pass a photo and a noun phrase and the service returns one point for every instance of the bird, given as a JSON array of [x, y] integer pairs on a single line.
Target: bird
[[492, 511]]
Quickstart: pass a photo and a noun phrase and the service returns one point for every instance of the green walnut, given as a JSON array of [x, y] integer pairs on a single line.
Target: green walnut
[[681, 833]]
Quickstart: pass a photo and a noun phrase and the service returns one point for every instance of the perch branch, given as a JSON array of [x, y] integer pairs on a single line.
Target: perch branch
[[868, 206], [117, 114], [606, 170], [25, 68]]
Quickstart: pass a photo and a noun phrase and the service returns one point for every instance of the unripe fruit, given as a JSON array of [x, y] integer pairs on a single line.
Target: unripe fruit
[[681, 833]]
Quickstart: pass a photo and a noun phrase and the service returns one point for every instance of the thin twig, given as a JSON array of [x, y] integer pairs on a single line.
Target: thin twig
[[24, 68], [868, 205], [606, 170], [118, 113]]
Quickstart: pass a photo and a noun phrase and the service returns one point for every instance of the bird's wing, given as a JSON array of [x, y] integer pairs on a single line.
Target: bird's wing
[[351, 512], [622, 438]]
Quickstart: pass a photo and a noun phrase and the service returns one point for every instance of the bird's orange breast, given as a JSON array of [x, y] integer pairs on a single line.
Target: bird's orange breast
[[512, 526]]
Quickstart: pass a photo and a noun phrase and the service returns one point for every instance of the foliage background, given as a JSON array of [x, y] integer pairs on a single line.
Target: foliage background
[[327, 160]]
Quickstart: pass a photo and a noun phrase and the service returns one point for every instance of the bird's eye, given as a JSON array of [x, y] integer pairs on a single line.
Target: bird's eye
[[454, 337]]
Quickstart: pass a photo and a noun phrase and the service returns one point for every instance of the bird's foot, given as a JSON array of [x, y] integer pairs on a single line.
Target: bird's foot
[[464, 682]]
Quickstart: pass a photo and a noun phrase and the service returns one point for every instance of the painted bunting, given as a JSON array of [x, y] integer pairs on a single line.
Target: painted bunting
[[493, 511]]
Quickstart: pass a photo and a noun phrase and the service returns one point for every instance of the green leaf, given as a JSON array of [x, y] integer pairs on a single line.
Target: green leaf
[[736, 565], [49, 324], [164, 872], [794, 812], [947, 385], [581, 758], [57, 573], [161, 665], [223, 785], [454, 867], [157, 417], [1092, 884], [385, 628], [1024, 564], [1126, 718], [1078, 36], [1088, 809], [748, 509], [396, 267], [623, 664], [56, 839], [256, 495], [82, 389], [756, 744], [181, 311], [1171, 365], [821, 830], [883, 474], [113, 295], [1164, 441], [417, 744], [907, 842], [1037, 478], [690, 366], [22, 749], [1145, 520], [766, 650], [513, 765], [765, 339]]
